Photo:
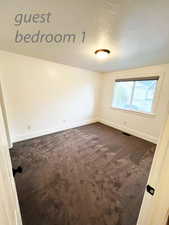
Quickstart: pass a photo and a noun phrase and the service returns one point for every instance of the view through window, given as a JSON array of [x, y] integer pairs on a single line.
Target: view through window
[[135, 94]]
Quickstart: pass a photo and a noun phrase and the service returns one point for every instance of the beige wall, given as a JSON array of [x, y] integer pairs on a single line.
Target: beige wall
[[43, 97], [139, 124]]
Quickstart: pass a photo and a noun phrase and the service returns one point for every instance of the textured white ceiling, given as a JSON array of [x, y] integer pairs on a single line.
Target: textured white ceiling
[[136, 31]]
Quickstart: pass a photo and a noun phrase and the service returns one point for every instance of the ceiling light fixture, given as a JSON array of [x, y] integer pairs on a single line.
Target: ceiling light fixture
[[102, 53]]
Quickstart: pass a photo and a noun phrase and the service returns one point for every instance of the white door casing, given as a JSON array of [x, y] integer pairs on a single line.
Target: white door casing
[[9, 207], [155, 209]]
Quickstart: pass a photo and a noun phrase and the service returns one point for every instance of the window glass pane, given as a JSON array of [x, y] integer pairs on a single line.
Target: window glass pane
[[143, 95], [122, 94]]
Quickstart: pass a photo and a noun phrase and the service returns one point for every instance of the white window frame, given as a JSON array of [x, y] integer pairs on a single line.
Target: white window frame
[[140, 76]]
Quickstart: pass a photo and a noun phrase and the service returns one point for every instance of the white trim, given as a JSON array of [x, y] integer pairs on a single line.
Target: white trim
[[135, 111], [85, 122], [130, 131], [53, 130], [146, 74], [155, 209], [10, 145]]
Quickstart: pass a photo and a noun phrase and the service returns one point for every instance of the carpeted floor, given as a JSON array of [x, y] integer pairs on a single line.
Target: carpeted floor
[[92, 175]]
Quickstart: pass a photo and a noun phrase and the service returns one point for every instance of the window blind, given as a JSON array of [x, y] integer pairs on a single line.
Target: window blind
[[137, 79]]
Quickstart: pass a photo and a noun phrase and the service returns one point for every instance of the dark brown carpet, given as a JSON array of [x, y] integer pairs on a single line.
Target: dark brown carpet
[[92, 175]]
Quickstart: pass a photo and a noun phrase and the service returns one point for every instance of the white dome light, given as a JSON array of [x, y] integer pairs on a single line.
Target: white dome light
[[102, 53]]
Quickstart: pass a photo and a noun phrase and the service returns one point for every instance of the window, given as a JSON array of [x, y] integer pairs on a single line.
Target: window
[[135, 94]]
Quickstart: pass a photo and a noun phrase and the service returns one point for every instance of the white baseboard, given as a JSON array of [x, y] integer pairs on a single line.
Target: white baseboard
[[35, 134], [130, 131], [85, 122], [10, 145]]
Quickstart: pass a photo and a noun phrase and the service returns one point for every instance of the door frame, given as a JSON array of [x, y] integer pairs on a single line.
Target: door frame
[[155, 209], [5, 117], [10, 210]]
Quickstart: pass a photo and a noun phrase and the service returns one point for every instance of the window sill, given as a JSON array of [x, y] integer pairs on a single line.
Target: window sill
[[135, 112]]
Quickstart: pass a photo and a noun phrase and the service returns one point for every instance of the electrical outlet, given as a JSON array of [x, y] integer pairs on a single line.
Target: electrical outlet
[[125, 123], [29, 127]]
